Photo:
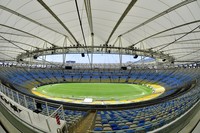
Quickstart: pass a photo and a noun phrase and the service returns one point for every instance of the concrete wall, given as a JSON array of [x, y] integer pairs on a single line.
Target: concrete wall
[[12, 124], [8, 126]]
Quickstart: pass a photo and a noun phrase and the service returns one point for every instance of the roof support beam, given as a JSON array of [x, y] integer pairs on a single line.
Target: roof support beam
[[179, 38], [180, 53], [189, 40], [56, 17], [22, 43], [121, 18], [79, 17], [64, 50], [13, 43], [196, 21], [194, 58], [181, 48], [27, 34], [11, 51], [13, 34], [2, 60], [90, 22], [161, 14], [188, 54], [187, 61], [29, 19], [178, 42], [174, 34], [113, 50], [7, 55], [3, 47], [89, 14]]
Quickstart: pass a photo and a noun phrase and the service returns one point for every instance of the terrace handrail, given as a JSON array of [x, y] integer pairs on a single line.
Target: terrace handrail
[[5, 93]]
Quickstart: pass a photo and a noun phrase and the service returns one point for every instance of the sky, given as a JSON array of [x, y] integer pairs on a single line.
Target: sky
[[97, 58]]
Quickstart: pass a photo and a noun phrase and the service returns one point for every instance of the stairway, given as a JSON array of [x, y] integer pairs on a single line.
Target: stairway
[[86, 123]]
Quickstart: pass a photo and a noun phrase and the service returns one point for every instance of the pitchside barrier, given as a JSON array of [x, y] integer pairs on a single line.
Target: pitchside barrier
[[29, 111]]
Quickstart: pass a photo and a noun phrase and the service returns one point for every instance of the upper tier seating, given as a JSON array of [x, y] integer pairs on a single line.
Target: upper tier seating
[[30, 78]]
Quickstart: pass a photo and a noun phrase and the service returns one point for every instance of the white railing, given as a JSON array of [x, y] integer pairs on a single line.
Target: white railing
[[19, 105]]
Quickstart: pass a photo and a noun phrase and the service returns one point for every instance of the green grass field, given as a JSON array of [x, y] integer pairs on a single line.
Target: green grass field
[[97, 91]]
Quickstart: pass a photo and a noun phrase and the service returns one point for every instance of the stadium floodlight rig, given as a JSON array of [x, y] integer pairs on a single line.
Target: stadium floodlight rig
[[102, 49]]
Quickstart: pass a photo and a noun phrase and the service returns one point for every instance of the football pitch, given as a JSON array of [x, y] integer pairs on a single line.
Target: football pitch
[[97, 91]]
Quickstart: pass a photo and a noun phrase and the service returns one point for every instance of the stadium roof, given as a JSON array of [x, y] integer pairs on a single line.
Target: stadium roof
[[169, 26]]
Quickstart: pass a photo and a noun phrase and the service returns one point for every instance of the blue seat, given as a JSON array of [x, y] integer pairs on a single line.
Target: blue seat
[[161, 123], [140, 130], [153, 117], [125, 127], [148, 128], [115, 128], [98, 129], [130, 120], [113, 125], [104, 121], [141, 121], [140, 124]]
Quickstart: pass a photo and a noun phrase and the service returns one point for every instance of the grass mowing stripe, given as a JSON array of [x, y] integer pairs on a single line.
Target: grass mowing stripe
[[106, 91]]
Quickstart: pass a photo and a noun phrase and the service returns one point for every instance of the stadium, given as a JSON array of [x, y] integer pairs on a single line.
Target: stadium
[[99, 66]]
